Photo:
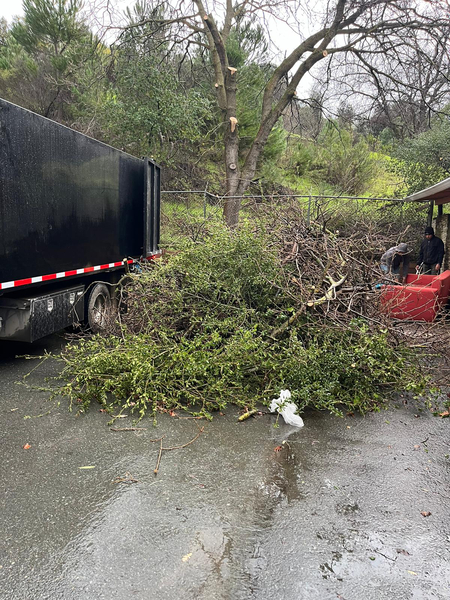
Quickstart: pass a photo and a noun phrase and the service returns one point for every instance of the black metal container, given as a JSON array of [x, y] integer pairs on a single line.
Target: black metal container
[[67, 201]]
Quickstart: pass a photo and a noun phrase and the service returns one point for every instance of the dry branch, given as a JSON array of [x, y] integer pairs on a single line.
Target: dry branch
[[163, 449]]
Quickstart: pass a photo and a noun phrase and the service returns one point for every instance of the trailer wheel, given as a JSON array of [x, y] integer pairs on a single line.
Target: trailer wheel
[[99, 307]]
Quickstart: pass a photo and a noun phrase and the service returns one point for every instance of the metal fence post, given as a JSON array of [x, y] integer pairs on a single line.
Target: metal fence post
[[204, 201]]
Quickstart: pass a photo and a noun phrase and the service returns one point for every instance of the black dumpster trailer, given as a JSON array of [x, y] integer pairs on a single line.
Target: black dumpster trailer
[[74, 215]]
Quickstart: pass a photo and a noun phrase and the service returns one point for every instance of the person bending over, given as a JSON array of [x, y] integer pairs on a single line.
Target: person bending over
[[395, 257]]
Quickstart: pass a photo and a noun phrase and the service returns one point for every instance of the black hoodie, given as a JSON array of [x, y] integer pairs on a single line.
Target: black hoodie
[[432, 251]]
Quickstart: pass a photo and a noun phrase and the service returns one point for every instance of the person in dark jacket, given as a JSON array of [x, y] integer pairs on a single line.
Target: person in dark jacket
[[431, 253]]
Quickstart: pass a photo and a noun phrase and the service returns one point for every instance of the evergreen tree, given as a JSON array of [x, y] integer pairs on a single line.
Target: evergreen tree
[[43, 56]]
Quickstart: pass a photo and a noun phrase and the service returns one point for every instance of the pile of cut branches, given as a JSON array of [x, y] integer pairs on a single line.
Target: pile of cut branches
[[239, 315], [337, 274]]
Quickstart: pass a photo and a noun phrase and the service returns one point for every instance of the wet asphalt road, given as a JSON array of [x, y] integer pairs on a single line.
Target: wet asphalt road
[[334, 514]]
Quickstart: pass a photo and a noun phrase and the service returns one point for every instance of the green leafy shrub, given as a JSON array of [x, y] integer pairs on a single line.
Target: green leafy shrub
[[424, 160], [343, 160], [300, 159]]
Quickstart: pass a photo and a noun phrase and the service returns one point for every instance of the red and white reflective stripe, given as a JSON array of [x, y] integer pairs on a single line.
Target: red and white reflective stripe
[[41, 278]]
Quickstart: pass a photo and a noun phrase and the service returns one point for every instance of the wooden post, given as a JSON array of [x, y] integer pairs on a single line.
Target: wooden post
[[430, 214]]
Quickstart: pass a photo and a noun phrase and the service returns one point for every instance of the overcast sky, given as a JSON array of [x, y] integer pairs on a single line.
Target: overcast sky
[[10, 8]]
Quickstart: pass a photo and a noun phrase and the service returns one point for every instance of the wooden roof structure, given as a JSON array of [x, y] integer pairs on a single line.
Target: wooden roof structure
[[438, 193]]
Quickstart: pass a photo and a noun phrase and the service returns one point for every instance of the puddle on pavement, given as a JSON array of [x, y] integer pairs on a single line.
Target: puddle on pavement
[[245, 512]]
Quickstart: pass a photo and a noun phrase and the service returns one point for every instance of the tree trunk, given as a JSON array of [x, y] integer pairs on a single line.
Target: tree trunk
[[231, 143], [238, 181]]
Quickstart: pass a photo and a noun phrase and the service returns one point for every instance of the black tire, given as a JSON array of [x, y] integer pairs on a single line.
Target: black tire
[[99, 308]]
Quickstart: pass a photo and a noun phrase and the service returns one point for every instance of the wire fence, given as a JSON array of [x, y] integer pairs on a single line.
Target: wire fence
[[188, 212]]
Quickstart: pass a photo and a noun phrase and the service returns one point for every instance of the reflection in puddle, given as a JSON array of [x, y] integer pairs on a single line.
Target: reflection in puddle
[[286, 466]]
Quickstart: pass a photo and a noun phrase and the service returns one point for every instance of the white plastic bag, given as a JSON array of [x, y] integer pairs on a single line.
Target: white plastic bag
[[286, 409]]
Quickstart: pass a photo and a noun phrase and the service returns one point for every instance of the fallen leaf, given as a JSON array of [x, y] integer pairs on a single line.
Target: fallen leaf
[[278, 448], [88, 467], [103, 410], [417, 447], [350, 414], [411, 572], [26, 446], [13, 409], [172, 413], [186, 557], [444, 414], [416, 416], [425, 513]]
